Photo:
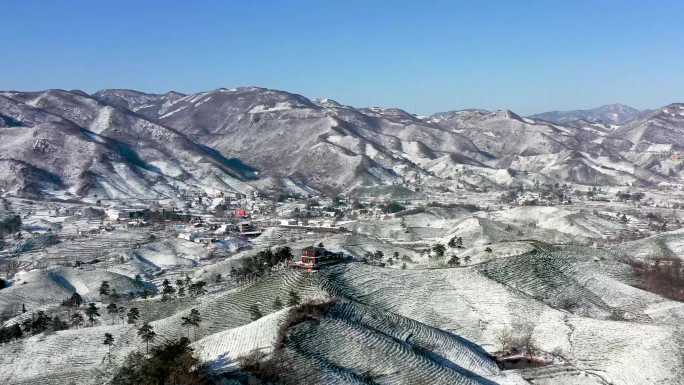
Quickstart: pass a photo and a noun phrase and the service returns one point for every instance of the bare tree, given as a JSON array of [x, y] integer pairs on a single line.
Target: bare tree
[[504, 339]]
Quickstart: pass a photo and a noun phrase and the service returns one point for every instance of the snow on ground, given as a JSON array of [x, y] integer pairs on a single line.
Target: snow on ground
[[223, 349], [172, 252]]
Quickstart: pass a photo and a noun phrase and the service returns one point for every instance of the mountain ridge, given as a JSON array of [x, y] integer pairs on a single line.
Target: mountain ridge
[[122, 142]]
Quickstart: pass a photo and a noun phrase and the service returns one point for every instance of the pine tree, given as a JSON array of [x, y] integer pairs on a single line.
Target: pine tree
[[454, 261], [112, 310], [15, 331], [92, 313], [122, 314], [167, 290], [147, 334], [77, 319], [197, 288], [186, 323], [105, 289], [133, 315], [439, 249], [109, 341], [114, 296], [196, 319], [294, 299], [40, 322], [26, 326], [192, 320], [255, 312], [58, 324], [277, 303]]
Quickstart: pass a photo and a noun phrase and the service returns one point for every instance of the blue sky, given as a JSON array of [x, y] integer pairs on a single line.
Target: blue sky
[[423, 56]]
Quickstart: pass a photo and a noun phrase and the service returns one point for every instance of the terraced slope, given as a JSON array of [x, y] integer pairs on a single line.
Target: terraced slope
[[393, 326], [349, 343]]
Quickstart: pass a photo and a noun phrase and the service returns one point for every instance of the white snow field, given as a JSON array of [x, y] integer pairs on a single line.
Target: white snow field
[[395, 326]]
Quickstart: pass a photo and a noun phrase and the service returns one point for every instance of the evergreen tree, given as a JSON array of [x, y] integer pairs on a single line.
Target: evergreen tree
[[167, 290], [26, 325], [122, 314], [185, 321], [197, 288], [624, 218], [439, 250], [109, 341], [40, 322], [77, 319], [112, 310], [277, 304], [192, 320], [195, 318], [255, 312], [454, 261], [147, 334], [92, 313], [15, 331], [294, 299], [133, 315], [171, 363], [58, 324], [114, 296], [105, 289]]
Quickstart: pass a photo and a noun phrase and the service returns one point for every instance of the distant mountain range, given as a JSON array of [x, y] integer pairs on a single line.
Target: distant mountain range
[[608, 114], [126, 143]]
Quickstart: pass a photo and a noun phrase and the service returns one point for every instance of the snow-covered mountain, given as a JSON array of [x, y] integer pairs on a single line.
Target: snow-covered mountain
[[118, 143], [608, 114], [70, 142]]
